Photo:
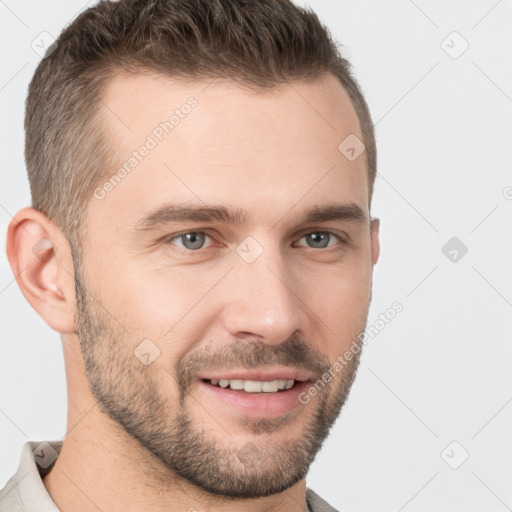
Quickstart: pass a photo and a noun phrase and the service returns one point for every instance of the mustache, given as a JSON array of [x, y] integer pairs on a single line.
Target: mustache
[[250, 354]]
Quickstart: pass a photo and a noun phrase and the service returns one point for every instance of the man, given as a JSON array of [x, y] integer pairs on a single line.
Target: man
[[200, 236]]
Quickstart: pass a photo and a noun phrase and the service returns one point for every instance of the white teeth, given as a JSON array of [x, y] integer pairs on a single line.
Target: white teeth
[[289, 384], [281, 383], [254, 386], [270, 387], [236, 384]]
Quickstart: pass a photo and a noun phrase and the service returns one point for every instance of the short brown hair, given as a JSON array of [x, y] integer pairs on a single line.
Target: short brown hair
[[257, 43]]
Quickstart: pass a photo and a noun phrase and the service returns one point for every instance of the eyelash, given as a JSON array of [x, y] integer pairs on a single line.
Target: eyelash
[[169, 239]]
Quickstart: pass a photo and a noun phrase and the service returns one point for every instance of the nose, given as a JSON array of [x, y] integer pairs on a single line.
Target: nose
[[262, 301]]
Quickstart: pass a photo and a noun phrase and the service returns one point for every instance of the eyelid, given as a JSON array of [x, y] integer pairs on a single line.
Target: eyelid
[[342, 236], [169, 238]]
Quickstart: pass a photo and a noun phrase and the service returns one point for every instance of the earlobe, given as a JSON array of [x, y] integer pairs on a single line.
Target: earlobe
[[375, 242], [40, 258]]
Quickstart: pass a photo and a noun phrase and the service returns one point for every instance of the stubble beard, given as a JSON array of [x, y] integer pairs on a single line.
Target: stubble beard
[[128, 393]]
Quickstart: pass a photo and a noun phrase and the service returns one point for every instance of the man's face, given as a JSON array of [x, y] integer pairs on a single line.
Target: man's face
[[170, 309]]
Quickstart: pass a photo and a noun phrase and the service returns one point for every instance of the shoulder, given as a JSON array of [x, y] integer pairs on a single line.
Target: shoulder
[[317, 504], [10, 499], [25, 490]]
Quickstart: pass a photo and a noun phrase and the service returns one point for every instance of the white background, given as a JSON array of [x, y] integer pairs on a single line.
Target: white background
[[440, 371]]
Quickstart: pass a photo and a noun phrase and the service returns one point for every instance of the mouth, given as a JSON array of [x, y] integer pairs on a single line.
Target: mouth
[[253, 386], [256, 393]]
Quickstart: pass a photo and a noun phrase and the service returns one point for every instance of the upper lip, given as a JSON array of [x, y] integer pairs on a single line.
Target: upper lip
[[281, 373]]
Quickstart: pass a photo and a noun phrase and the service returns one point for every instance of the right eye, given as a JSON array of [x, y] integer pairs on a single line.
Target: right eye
[[191, 240]]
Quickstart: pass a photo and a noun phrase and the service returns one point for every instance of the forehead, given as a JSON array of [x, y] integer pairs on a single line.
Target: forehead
[[214, 141], [142, 96]]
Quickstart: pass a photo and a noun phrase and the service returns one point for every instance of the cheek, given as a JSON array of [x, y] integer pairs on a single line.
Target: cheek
[[169, 306], [341, 307], [337, 304], [155, 295]]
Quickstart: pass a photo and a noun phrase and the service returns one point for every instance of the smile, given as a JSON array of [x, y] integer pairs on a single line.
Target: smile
[[253, 386]]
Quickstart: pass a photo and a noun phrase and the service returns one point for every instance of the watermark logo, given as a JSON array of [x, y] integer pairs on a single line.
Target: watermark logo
[[454, 249], [44, 455], [44, 45], [146, 352], [455, 455], [352, 147], [454, 45], [249, 249], [249, 455]]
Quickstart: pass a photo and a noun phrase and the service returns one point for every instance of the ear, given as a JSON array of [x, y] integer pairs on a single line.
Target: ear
[[375, 243], [40, 257]]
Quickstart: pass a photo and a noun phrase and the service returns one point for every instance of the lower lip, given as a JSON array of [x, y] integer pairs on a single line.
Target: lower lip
[[257, 404]]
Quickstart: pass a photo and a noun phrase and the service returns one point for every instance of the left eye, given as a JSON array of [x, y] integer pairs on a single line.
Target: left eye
[[194, 240], [320, 239]]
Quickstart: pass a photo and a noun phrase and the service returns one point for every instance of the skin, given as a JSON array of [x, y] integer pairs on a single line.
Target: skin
[[274, 155]]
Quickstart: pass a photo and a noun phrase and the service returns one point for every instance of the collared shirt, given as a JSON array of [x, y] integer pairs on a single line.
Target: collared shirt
[[25, 490]]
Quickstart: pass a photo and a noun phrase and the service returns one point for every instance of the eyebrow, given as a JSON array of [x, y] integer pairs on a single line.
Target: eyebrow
[[175, 212]]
